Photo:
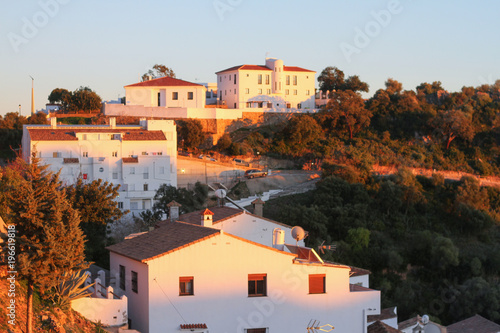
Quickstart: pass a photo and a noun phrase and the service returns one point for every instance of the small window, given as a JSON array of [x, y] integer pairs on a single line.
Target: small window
[[145, 187], [85, 154], [317, 283], [295, 80], [220, 78], [287, 92], [56, 154], [115, 175], [249, 104], [308, 92], [234, 78], [257, 285], [175, 95], [247, 91], [269, 105], [120, 205], [134, 282], [267, 79], [122, 277], [114, 154], [259, 79], [288, 105], [299, 106], [186, 285], [134, 206], [146, 175], [269, 91], [288, 80], [144, 153], [235, 105], [260, 91], [295, 91], [261, 104], [190, 95], [229, 77]]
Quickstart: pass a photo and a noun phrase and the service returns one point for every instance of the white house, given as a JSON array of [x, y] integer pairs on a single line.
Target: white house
[[138, 157], [166, 92], [272, 86], [186, 277]]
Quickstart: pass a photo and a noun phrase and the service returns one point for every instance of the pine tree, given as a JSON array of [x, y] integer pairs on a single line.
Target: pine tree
[[49, 240]]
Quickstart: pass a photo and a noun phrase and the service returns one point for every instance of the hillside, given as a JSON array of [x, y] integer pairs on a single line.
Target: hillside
[[46, 318]]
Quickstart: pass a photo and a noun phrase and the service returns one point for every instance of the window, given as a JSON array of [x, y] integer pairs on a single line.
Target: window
[[145, 187], [260, 91], [249, 104], [175, 95], [145, 175], [159, 99], [56, 154], [299, 106], [134, 282], [261, 104], [144, 153], [256, 330], [288, 80], [122, 277], [220, 78], [235, 105], [234, 78], [308, 92], [295, 80], [229, 77], [115, 175], [120, 205], [114, 154], [134, 205], [186, 285], [269, 105], [247, 91], [85, 154], [259, 79], [269, 91], [317, 283], [287, 92], [267, 79], [295, 91], [132, 170], [190, 95], [257, 285], [288, 105]]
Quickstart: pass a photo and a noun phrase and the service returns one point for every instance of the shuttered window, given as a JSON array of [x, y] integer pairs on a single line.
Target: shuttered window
[[317, 284], [257, 284], [186, 285]]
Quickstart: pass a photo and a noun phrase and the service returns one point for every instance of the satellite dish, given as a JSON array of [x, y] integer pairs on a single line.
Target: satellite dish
[[425, 319], [220, 193], [298, 233]]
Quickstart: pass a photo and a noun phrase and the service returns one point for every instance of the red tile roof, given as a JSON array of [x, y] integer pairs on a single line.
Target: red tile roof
[[207, 212], [165, 82], [69, 134], [170, 237], [380, 327], [130, 160], [193, 326], [476, 324], [264, 68]]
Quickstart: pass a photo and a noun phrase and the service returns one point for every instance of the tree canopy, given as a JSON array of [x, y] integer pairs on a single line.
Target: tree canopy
[[82, 99], [157, 71]]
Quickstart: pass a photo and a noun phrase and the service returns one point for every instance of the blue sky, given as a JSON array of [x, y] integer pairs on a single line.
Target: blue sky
[[108, 44]]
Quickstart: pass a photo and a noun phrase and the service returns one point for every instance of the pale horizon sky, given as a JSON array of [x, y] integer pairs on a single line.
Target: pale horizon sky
[[106, 45]]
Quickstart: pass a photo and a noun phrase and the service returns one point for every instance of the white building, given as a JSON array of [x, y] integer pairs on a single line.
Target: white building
[[138, 157], [187, 277], [166, 92], [273, 86]]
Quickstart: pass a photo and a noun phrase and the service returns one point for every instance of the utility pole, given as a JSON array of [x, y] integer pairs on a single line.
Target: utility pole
[[32, 95]]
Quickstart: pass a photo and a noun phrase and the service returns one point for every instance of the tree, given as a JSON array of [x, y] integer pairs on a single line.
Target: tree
[[355, 84], [331, 79], [190, 200], [393, 87], [346, 109], [158, 71], [191, 133], [85, 99], [49, 240], [301, 134], [452, 124], [97, 206], [61, 96]]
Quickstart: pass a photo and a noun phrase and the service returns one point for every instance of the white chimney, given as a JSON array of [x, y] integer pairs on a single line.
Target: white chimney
[[279, 239], [53, 122], [207, 218], [258, 207], [173, 207]]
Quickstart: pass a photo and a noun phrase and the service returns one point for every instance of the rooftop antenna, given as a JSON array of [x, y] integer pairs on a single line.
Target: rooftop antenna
[[322, 247], [32, 95], [313, 327], [220, 194]]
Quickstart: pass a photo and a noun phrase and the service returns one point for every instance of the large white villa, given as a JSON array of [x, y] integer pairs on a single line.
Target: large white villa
[[138, 157]]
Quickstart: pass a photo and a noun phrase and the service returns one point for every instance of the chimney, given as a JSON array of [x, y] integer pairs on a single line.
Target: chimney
[[112, 122], [173, 207], [258, 207], [53, 122], [207, 218]]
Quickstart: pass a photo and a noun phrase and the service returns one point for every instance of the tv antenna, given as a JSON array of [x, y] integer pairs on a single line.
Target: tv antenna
[[314, 327], [323, 247]]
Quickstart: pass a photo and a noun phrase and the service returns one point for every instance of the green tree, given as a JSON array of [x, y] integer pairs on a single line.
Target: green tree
[[61, 96], [355, 84], [49, 240], [96, 202], [452, 124], [331, 79], [158, 71], [190, 200], [85, 99], [191, 133], [301, 134], [346, 110]]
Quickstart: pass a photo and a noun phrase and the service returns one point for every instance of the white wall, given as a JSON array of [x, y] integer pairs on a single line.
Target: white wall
[[220, 266], [148, 96], [110, 312]]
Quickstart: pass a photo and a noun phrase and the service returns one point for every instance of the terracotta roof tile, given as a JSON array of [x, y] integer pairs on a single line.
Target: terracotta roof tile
[[385, 314], [245, 67], [296, 69], [170, 237], [476, 324], [165, 82], [130, 160], [380, 327], [193, 326], [69, 134], [206, 212]]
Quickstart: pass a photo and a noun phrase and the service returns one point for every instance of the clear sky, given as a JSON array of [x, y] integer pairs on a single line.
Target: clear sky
[[106, 44]]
